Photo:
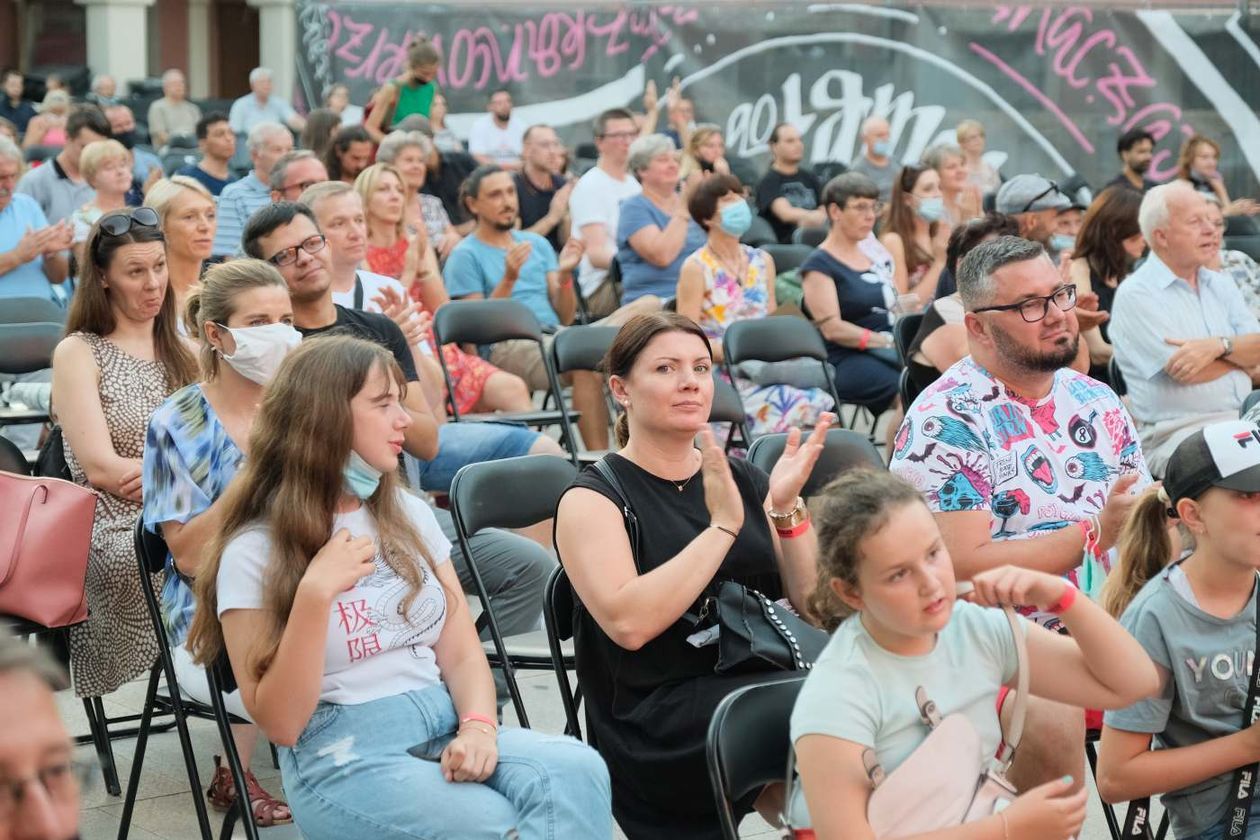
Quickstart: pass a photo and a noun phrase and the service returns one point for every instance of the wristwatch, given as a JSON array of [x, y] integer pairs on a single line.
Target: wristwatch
[[794, 517], [1228, 344]]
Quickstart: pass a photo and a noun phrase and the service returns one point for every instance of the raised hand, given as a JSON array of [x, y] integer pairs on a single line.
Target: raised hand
[[1115, 512], [721, 494], [797, 463], [515, 260], [340, 564], [650, 98], [570, 255], [403, 312]]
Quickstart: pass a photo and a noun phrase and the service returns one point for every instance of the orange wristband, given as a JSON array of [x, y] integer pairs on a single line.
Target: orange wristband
[[1065, 601], [472, 717], [794, 531]]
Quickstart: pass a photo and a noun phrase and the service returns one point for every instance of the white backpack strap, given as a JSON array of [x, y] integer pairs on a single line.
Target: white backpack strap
[[1012, 738]]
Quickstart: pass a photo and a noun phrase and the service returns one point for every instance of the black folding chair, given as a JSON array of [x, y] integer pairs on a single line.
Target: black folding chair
[[26, 348], [748, 744], [728, 407], [1114, 829], [151, 551], [509, 493], [778, 339], [759, 233], [1250, 402], [582, 348], [811, 236], [904, 331], [559, 601], [787, 257], [489, 322], [1117, 378], [843, 450]]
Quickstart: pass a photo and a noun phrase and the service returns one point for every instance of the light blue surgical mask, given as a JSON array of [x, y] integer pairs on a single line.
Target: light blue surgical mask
[[736, 218], [361, 478], [1061, 242], [931, 209], [881, 148]]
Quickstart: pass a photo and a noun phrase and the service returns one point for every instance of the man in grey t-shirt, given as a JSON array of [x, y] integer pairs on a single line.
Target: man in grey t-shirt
[[876, 161]]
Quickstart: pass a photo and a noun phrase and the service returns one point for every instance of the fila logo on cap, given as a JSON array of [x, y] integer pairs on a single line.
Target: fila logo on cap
[[1244, 439], [1234, 446]]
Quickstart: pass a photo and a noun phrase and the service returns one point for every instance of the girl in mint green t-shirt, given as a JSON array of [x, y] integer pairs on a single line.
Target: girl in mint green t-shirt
[[886, 584]]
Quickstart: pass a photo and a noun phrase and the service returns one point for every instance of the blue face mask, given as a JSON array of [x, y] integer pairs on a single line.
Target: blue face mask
[[931, 209], [736, 218], [881, 148], [1061, 242], [361, 478]]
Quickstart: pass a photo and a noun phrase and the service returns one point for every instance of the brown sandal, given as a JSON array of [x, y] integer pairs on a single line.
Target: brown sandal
[[267, 810]]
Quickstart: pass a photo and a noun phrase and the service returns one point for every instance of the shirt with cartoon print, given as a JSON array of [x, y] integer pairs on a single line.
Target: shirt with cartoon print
[[969, 443]]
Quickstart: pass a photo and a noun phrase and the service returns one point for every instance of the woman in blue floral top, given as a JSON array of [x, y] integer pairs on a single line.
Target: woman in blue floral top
[[726, 281], [195, 443]]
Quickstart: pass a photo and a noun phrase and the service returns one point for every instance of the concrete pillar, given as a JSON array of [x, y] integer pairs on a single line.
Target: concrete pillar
[[117, 38], [277, 43], [200, 26]]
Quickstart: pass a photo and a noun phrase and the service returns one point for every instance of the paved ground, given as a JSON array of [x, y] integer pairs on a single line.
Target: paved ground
[[164, 807]]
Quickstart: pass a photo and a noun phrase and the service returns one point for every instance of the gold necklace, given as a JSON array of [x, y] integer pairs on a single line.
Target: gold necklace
[[682, 485]]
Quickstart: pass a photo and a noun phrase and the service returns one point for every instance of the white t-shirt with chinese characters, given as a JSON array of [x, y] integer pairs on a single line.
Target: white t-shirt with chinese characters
[[596, 199], [372, 651], [970, 444]]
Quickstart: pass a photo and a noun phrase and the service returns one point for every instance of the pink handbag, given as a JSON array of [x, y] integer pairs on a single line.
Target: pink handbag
[[45, 536], [947, 780]]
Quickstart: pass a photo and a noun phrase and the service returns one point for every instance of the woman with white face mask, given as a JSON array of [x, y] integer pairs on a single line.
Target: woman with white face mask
[[196, 442]]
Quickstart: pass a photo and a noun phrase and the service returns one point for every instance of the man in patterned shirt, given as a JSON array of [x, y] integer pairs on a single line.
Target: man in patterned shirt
[[1024, 461]]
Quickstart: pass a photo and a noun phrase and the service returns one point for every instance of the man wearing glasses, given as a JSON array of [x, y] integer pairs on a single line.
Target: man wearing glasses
[[1024, 461], [294, 173], [39, 778], [595, 207], [1184, 338]]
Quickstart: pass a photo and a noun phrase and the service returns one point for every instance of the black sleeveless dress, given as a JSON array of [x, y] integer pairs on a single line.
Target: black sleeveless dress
[[647, 711]]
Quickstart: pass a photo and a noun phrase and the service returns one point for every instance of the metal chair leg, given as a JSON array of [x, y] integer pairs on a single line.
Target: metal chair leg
[[1109, 812], [100, 739], [137, 761]]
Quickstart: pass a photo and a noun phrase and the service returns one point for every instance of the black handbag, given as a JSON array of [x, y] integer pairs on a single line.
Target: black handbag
[[51, 461], [754, 633]]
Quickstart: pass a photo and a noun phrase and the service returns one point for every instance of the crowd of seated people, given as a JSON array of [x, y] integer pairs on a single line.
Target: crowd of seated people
[[249, 367]]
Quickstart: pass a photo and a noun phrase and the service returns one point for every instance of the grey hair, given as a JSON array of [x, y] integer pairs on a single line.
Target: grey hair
[[1153, 214], [19, 656], [258, 74], [869, 123], [975, 271], [11, 151], [259, 134], [281, 167], [645, 148], [394, 142], [171, 74], [935, 156], [100, 77]]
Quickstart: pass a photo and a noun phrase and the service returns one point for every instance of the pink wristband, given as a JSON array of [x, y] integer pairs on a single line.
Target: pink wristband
[[479, 718], [1065, 601]]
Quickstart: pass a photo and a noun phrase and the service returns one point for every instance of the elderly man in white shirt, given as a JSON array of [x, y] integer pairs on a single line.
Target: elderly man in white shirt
[[261, 105], [1184, 337]]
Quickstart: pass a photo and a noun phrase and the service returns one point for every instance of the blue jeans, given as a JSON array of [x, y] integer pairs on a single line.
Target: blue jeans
[[350, 775], [1217, 832], [472, 443]]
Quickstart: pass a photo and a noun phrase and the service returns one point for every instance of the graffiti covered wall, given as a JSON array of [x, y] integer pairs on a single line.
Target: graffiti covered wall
[[1055, 87]]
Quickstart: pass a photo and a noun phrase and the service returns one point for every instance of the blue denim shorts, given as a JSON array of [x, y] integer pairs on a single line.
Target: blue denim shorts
[[471, 443]]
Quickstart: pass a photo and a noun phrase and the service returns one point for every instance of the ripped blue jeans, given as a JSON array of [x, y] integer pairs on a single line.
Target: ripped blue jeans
[[351, 775]]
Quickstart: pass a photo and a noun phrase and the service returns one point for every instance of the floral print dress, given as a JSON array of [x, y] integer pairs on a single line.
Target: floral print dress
[[727, 299]]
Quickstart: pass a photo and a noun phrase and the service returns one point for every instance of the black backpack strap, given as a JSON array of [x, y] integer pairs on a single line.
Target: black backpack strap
[[358, 291]]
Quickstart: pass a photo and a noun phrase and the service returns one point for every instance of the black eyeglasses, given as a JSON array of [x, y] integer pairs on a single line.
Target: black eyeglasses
[[1035, 309], [118, 224], [1053, 188], [311, 245]]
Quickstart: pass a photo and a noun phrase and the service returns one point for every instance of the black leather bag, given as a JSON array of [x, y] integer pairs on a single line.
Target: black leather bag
[[51, 462], [754, 633]]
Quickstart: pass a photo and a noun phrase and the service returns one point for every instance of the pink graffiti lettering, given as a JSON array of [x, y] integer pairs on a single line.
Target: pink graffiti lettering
[[1115, 87], [1160, 127]]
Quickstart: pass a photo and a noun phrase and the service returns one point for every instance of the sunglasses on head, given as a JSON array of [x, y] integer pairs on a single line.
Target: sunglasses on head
[[118, 224]]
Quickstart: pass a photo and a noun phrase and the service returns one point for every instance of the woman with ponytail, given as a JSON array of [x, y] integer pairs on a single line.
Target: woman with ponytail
[[1197, 619], [886, 587], [330, 590], [650, 692]]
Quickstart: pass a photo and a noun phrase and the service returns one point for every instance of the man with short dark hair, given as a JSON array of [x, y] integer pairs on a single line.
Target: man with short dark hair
[[1135, 147], [294, 173], [39, 776], [788, 196], [268, 142], [218, 144], [57, 185], [541, 188], [595, 207], [497, 137], [13, 107], [286, 235]]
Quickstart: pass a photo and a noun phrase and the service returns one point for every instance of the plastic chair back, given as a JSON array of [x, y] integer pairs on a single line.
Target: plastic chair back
[[485, 322], [25, 348], [843, 450]]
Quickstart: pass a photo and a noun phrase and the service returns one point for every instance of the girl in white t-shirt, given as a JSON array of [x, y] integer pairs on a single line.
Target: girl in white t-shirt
[[329, 588], [886, 580]]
